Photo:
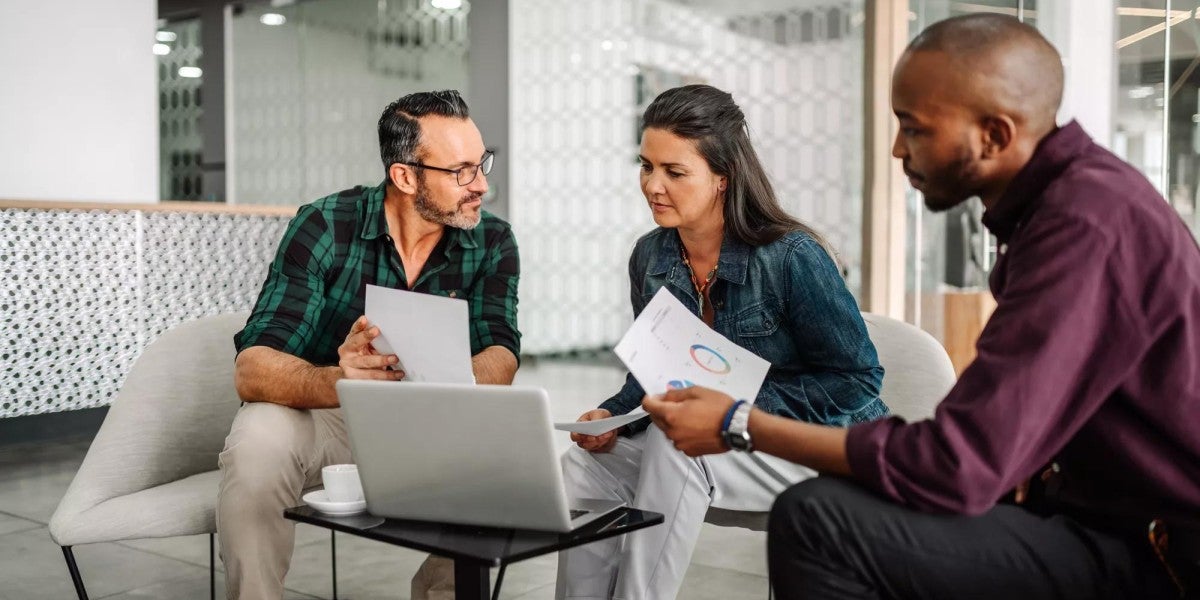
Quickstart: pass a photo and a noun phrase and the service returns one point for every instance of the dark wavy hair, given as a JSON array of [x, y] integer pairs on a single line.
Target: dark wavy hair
[[710, 118], [400, 131]]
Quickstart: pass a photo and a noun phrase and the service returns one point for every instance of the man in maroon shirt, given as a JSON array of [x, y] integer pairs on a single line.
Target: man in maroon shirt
[[1084, 397]]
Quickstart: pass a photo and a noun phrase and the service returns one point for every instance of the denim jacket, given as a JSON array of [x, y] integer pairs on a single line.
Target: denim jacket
[[787, 303]]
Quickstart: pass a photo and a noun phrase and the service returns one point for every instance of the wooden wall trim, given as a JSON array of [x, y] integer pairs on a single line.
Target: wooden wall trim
[[170, 206]]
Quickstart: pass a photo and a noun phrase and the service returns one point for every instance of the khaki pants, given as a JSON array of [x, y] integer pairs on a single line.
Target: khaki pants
[[272, 454]]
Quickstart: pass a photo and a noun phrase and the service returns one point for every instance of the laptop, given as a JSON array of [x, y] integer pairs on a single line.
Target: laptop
[[460, 453]]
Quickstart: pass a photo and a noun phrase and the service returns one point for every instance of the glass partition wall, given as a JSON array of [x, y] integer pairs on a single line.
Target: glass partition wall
[[582, 73], [309, 81]]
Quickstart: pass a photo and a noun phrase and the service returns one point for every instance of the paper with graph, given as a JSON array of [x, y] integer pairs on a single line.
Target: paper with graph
[[669, 347]]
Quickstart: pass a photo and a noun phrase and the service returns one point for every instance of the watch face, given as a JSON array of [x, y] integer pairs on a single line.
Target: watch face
[[738, 441]]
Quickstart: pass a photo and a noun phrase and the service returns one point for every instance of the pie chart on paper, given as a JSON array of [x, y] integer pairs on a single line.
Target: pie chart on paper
[[710, 360]]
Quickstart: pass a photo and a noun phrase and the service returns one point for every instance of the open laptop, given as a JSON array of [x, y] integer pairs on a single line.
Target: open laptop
[[455, 453]]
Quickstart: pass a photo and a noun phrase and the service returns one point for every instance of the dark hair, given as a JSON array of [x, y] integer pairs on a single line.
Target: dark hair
[[399, 130], [709, 117]]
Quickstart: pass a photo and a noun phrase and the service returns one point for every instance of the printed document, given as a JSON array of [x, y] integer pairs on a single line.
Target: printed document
[[429, 334], [667, 348]]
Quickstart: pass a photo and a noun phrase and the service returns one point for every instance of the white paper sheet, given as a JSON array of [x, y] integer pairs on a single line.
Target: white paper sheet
[[429, 334], [600, 426], [669, 347]]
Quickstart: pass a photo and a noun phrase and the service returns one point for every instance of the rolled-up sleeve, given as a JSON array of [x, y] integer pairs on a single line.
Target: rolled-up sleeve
[[284, 317], [494, 297], [1045, 365]]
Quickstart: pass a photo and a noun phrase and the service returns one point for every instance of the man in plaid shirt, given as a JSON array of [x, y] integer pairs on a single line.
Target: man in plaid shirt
[[422, 229]]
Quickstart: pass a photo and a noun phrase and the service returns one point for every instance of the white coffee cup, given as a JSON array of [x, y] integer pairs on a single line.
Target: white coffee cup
[[342, 483]]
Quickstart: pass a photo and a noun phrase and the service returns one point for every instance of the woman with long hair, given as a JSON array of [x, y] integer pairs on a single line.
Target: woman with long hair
[[727, 250]]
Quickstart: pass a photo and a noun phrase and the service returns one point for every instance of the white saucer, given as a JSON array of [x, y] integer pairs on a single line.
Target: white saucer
[[320, 501]]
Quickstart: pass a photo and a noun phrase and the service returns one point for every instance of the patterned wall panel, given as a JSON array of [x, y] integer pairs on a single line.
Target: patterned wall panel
[[85, 291], [308, 94], [204, 264], [69, 333], [582, 73]]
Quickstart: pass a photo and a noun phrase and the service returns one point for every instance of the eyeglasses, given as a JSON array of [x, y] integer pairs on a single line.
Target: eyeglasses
[[464, 175]]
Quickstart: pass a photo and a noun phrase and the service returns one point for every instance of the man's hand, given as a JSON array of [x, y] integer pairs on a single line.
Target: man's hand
[[691, 418], [596, 443], [358, 358]]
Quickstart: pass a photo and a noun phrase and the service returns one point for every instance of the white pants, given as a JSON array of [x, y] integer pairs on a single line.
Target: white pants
[[647, 472]]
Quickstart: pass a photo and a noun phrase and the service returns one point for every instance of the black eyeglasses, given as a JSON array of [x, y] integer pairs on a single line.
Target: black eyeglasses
[[464, 175]]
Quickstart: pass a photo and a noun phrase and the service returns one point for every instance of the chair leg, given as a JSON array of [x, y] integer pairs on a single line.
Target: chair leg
[[212, 567], [333, 559], [74, 569]]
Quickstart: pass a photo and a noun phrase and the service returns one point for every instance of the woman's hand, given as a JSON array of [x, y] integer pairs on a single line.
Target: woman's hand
[[595, 443]]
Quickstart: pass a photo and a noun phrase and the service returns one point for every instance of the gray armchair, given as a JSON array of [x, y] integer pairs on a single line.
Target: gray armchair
[[917, 375], [152, 471]]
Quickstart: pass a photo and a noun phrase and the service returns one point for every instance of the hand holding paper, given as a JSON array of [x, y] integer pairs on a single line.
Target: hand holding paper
[[361, 358], [428, 333], [669, 348], [600, 426]]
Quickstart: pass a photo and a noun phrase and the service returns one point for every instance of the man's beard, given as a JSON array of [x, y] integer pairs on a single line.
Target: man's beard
[[451, 218], [953, 184]]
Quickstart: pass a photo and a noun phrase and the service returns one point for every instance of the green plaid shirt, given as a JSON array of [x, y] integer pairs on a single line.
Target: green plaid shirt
[[334, 247]]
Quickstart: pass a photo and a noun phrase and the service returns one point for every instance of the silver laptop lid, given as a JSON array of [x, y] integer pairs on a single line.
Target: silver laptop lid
[[471, 454]]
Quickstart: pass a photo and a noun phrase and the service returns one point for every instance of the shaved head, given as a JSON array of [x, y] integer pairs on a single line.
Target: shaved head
[[974, 96], [1001, 64]]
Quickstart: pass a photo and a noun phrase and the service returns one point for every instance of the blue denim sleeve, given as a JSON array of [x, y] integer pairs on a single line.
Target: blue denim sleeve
[[841, 377]]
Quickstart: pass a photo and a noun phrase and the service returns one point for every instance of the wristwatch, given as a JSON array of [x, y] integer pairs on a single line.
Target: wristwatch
[[736, 432]]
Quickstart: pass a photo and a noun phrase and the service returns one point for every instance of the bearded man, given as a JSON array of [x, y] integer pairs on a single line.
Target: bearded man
[[422, 229]]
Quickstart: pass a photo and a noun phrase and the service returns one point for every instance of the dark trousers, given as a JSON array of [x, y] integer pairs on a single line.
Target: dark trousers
[[830, 538]]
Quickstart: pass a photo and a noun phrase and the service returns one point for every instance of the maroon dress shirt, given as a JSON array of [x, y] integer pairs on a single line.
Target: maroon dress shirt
[[1090, 361]]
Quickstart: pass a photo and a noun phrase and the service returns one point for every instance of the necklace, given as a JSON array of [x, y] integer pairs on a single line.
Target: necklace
[[701, 288]]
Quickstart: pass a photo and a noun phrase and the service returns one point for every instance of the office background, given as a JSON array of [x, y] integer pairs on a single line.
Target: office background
[[258, 107], [151, 153]]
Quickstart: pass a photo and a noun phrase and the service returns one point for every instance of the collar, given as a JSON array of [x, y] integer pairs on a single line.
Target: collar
[[371, 212], [731, 265], [1054, 153], [375, 226]]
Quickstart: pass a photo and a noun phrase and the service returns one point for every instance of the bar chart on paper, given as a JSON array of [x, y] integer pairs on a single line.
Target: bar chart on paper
[[668, 347]]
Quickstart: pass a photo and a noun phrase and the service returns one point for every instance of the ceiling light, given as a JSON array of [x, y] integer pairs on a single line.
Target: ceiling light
[[190, 72], [446, 4], [165, 36], [162, 49], [272, 19]]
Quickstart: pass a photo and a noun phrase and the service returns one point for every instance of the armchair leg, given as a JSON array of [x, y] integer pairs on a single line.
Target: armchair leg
[[74, 569], [212, 567]]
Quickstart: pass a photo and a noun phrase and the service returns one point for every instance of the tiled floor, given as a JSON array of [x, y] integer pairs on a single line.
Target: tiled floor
[[728, 563]]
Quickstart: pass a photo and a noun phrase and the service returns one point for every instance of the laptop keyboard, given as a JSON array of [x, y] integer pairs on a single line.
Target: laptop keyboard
[[575, 514]]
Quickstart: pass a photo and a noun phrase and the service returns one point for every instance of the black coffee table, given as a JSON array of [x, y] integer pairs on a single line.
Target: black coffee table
[[475, 549]]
